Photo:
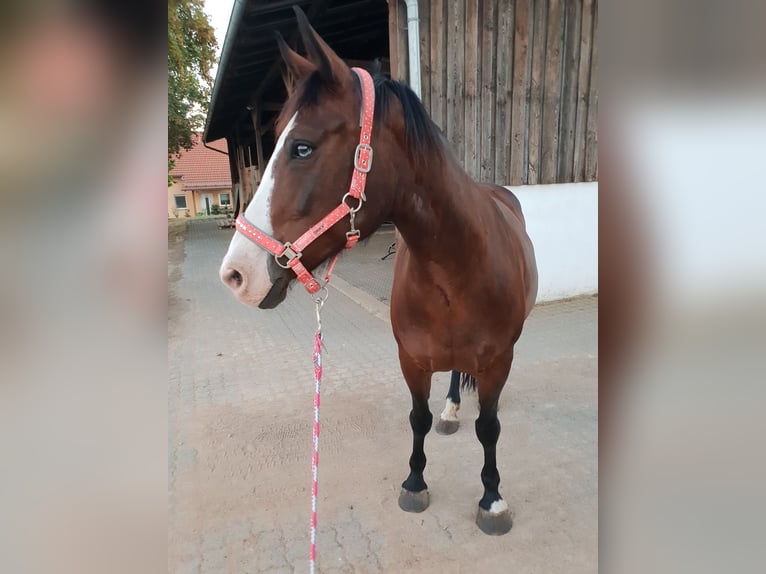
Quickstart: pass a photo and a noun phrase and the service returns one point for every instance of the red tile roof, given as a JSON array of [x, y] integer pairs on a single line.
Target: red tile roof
[[201, 167]]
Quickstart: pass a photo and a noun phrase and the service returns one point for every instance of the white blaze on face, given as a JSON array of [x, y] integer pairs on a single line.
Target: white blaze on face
[[259, 210], [248, 258]]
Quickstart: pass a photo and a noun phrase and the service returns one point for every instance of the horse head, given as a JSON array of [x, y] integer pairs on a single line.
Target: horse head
[[307, 176]]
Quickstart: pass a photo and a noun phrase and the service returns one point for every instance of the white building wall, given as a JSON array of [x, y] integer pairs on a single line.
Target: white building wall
[[562, 221]]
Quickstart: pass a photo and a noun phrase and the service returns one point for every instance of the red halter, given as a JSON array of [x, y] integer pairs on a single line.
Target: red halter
[[292, 252]]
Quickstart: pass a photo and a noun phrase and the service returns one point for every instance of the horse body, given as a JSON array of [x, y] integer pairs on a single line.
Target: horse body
[[465, 280], [461, 303], [464, 276]]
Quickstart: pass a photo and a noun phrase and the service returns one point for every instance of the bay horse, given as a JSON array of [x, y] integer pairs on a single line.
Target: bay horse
[[465, 277]]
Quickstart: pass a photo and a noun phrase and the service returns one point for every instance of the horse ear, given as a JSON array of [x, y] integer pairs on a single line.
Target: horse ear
[[330, 66], [296, 66]]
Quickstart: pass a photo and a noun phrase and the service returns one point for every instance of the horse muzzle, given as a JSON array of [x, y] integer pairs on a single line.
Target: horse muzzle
[[253, 276]]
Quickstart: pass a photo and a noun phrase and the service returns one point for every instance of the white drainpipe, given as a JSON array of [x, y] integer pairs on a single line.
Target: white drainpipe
[[413, 41]]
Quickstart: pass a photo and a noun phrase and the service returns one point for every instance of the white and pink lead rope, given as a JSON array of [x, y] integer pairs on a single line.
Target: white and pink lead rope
[[315, 456], [293, 251]]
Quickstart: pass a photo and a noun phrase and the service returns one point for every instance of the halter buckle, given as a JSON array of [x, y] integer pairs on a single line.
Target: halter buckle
[[363, 163], [289, 253]]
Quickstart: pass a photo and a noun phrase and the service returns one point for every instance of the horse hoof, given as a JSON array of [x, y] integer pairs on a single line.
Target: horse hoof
[[447, 427], [413, 501], [495, 523]]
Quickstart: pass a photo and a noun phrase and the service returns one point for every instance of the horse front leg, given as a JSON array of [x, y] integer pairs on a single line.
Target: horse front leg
[[448, 422], [414, 495], [494, 516]]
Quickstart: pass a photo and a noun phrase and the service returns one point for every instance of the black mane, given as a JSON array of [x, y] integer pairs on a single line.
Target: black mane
[[422, 135]]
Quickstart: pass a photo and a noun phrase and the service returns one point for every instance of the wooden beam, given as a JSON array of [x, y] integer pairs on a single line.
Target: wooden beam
[[256, 116], [262, 9], [552, 93], [537, 83], [591, 139], [393, 39], [397, 41], [438, 65], [472, 92], [505, 13], [571, 59], [488, 91], [456, 78], [520, 95], [425, 53], [583, 84]]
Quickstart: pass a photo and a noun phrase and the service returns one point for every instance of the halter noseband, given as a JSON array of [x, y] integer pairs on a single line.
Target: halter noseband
[[288, 255]]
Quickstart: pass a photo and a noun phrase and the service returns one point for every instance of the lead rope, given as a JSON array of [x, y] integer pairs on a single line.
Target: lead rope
[[319, 302]]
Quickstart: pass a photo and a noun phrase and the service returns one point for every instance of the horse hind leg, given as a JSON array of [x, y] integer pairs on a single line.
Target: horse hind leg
[[414, 496], [448, 422], [494, 516]]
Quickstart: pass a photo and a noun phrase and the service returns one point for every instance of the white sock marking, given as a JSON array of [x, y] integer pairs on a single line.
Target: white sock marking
[[450, 411], [498, 506]]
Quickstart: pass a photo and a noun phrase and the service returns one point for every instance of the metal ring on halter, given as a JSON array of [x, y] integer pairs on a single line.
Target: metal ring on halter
[[358, 207], [289, 253]]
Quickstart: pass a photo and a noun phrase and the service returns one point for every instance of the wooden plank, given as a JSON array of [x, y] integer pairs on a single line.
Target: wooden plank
[[537, 84], [230, 145], [424, 11], [259, 159], [403, 48], [244, 177], [552, 94], [455, 77], [520, 95], [591, 139], [439, 63], [393, 39], [488, 90], [571, 59], [252, 171], [236, 199], [583, 87], [472, 97], [504, 84], [241, 175]]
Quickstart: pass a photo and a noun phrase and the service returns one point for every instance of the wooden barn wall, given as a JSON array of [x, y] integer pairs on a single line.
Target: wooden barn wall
[[512, 83]]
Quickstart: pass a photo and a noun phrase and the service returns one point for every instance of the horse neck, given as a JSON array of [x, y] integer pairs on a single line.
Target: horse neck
[[432, 208]]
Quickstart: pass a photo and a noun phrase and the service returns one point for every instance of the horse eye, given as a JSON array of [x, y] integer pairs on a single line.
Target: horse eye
[[302, 150]]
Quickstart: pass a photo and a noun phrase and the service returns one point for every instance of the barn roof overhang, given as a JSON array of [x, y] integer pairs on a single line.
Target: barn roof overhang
[[249, 66]]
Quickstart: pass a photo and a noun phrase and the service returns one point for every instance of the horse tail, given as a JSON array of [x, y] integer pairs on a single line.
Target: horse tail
[[467, 382]]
